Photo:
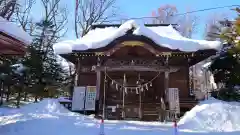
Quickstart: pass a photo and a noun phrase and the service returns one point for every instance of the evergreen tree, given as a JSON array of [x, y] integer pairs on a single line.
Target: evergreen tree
[[44, 69], [7, 75], [225, 66]]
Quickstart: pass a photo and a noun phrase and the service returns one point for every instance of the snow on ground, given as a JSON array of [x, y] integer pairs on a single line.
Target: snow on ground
[[213, 115], [165, 36], [48, 117], [64, 99], [14, 31]]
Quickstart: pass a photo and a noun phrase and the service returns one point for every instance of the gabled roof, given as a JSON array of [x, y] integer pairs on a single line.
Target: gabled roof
[[14, 31], [13, 39], [118, 25], [164, 36]]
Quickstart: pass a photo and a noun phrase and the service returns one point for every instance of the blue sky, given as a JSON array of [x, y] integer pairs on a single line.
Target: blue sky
[[143, 8], [138, 8]]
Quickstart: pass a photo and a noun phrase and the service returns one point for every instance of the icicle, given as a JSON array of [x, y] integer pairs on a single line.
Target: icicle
[[137, 91], [146, 86], [126, 90], [112, 82], [137, 82]]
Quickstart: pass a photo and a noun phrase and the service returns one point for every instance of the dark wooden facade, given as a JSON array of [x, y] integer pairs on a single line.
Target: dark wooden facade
[[11, 46], [136, 58]]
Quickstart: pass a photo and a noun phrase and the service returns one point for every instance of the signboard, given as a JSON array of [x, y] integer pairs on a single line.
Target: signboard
[[173, 98], [78, 98], [90, 98]]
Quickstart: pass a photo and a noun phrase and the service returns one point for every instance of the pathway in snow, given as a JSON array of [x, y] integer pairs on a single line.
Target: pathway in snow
[[50, 118]]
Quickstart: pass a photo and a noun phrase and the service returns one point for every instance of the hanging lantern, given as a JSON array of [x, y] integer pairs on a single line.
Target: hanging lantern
[[137, 91]]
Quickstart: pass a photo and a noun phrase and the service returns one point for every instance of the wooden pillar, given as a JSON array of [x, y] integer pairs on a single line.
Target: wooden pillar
[[140, 104], [123, 103], [75, 77], [123, 100], [98, 80], [140, 96], [104, 93], [166, 86], [166, 83], [166, 79], [78, 70], [98, 86]]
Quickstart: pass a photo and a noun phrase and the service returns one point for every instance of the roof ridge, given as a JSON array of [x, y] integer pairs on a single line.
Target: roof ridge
[[118, 25]]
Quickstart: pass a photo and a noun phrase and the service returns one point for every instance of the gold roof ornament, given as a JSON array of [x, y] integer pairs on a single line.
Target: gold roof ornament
[[132, 43]]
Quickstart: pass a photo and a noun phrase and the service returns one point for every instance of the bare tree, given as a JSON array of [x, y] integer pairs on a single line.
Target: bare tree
[[165, 14], [214, 27], [88, 12], [7, 8], [41, 59], [23, 16], [168, 14], [187, 25]]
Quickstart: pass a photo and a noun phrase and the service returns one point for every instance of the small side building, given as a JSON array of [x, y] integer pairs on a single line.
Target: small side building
[[132, 71], [13, 40]]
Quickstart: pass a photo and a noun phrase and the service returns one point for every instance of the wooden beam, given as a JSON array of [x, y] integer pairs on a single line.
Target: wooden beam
[[137, 68], [131, 44], [12, 43]]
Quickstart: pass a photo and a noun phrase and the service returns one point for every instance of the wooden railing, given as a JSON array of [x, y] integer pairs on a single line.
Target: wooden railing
[[151, 109]]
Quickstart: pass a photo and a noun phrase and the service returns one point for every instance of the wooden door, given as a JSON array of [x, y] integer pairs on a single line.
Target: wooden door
[[131, 99]]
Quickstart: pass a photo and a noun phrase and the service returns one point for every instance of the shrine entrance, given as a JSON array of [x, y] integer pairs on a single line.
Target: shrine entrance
[[136, 93], [135, 80]]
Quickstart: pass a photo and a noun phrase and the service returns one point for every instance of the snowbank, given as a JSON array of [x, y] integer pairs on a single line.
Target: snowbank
[[212, 115], [64, 99], [48, 117], [165, 36], [45, 106], [14, 31]]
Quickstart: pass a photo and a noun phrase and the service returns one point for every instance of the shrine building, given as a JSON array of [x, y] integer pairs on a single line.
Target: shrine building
[[134, 71], [13, 40]]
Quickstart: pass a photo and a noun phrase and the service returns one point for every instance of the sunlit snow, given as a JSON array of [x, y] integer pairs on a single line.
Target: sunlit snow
[[48, 117]]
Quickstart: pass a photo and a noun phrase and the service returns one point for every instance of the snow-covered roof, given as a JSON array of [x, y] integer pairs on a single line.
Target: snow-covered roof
[[14, 31], [165, 36], [207, 64]]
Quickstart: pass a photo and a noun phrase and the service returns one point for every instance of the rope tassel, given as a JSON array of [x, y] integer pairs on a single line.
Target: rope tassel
[[146, 86], [125, 90], [138, 88], [137, 91]]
